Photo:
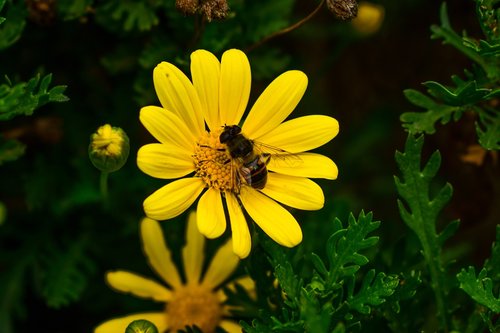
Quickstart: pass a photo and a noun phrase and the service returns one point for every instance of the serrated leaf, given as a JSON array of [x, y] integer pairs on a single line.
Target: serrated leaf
[[488, 129], [420, 212], [465, 94], [479, 289], [424, 122], [343, 246], [24, 98], [415, 189], [374, 291]]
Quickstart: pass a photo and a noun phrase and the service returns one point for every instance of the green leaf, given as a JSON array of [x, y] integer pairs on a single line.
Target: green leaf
[[12, 24], [488, 14], [493, 263], [66, 272], [424, 122], [10, 150], [479, 289], [488, 129], [465, 94], [374, 291], [343, 247], [24, 98], [316, 318], [420, 212]]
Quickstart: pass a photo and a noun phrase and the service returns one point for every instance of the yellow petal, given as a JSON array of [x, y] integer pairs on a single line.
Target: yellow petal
[[302, 134], [230, 326], [296, 192], [275, 104], [157, 252], [137, 285], [192, 253], [246, 282], [177, 94], [173, 199], [223, 264], [235, 81], [308, 165], [271, 217], [165, 161], [167, 127], [205, 71], [119, 325], [211, 218], [239, 228]]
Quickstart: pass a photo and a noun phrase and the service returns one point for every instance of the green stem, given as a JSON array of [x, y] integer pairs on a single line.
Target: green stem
[[103, 185]]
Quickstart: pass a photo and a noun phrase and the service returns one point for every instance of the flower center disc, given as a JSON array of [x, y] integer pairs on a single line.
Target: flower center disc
[[194, 305], [213, 163]]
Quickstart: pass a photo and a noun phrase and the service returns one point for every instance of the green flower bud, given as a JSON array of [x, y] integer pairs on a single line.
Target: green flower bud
[[141, 326], [109, 148]]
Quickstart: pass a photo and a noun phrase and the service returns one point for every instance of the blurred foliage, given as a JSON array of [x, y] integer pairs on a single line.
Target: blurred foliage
[[350, 274], [478, 92]]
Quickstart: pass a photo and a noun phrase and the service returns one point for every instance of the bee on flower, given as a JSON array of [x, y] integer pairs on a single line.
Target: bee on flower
[[203, 141]]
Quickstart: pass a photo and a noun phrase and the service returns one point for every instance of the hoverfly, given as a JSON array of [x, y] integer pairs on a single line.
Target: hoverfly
[[252, 166]]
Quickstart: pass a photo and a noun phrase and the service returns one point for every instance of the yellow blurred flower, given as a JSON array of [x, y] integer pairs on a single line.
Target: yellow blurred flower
[[369, 19], [199, 300], [216, 99]]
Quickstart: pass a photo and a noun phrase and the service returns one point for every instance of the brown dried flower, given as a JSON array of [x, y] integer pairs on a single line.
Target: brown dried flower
[[214, 9], [188, 7], [343, 9]]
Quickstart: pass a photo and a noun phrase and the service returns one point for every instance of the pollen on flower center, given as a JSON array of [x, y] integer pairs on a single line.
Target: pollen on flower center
[[194, 305], [213, 163]]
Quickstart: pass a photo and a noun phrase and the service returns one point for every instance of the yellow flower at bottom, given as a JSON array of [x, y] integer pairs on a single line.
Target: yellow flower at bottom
[[216, 99], [197, 301]]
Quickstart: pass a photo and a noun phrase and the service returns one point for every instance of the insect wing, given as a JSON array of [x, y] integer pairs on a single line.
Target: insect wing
[[277, 155]]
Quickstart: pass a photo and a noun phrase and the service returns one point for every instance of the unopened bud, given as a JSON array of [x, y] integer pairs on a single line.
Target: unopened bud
[[141, 326], [343, 9], [214, 9], [109, 148], [188, 7]]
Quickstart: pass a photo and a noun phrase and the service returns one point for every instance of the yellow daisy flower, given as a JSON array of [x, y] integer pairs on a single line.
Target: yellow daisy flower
[[189, 125], [197, 301]]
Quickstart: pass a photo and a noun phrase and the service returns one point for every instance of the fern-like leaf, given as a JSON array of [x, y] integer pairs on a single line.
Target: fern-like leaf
[[24, 98], [479, 289], [420, 211], [66, 274], [373, 291], [488, 129], [343, 248]]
